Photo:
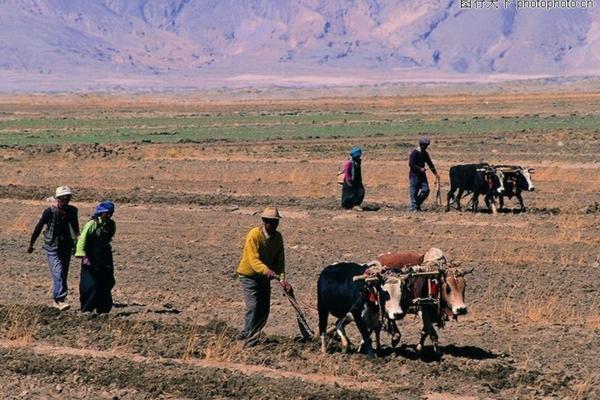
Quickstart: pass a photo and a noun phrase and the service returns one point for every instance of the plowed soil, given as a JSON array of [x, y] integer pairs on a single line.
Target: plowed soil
[[183, 209]]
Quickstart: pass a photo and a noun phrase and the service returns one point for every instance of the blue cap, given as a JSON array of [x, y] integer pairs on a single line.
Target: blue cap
[[424, 140], [355, 152], [105, 206]]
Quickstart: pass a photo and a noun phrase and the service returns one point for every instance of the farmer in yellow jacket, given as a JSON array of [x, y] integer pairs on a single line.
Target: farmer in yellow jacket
[[263, 259]]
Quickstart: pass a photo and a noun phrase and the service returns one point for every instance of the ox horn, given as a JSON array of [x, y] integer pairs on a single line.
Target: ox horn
[[464, 272], [368, 278], [360, 277]]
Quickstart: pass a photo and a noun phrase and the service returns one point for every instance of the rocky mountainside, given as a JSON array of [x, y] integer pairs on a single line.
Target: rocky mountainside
[[242, 40]]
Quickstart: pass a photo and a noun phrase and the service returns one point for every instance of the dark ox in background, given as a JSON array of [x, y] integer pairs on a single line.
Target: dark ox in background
[[516, 180], [480, 179], [339, 295], [451, 292]]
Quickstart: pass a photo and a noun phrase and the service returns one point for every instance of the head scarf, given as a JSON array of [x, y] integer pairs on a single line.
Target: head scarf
[[105, 206], [355, 152]]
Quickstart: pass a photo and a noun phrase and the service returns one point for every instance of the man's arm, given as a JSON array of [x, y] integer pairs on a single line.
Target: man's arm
[[45, 218], [280, 266], [280, 262], [75, 221], [430, 163]]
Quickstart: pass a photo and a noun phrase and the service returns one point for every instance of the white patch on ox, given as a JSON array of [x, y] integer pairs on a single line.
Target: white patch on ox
[[393, 288], [527, 176], [433, 255], [500, 176], [457, 309]]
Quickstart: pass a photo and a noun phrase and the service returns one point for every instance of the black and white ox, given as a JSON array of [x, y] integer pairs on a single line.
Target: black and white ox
[[366, 301], [480, 179], [516, 180]]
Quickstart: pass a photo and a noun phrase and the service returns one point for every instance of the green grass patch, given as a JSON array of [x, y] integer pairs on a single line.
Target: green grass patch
[[262, 126]]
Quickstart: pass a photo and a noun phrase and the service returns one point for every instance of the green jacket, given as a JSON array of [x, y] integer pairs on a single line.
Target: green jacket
[[94, 240]]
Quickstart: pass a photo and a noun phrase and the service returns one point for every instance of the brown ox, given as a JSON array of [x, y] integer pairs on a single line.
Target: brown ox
[[397, 261], [451, 292]]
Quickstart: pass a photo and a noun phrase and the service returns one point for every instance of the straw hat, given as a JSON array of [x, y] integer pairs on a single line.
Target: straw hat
[[270, 213]]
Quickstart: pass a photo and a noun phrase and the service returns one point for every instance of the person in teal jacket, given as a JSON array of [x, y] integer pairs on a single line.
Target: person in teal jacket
[[97, 270]]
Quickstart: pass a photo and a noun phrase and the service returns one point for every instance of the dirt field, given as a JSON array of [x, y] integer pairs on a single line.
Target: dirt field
[[533, 328]]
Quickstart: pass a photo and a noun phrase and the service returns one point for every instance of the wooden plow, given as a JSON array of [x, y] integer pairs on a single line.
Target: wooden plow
[[438, 193], [307, 333]]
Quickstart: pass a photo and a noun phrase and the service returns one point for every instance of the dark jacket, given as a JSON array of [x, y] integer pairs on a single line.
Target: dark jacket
[[353, 190], [353, 173], [61, 231], [417, 160]]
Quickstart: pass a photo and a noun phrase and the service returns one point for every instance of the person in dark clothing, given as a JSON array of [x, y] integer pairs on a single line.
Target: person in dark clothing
[[62, 229], [353, 191], [97, 270], [418, 185]]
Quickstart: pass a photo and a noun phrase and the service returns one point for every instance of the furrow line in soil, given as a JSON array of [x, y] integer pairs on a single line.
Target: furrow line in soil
[[249, 371]]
